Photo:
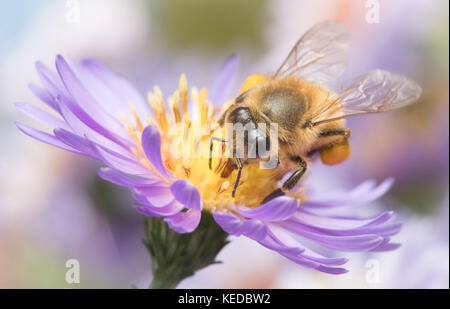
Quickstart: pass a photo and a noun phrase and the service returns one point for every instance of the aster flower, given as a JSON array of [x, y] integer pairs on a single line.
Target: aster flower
[[102, 116]]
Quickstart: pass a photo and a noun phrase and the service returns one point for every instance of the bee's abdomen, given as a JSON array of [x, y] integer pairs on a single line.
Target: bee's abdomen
[[285, 106]]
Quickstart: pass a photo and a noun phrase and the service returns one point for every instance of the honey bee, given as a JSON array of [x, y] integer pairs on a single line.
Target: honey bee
[[310, 116]]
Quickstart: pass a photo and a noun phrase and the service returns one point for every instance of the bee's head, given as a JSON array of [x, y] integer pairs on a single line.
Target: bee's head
[[250, 140]]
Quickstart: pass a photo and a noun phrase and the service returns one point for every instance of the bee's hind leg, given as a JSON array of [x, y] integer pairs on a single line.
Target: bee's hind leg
[[344, 133], [335, 132], [291, 182]]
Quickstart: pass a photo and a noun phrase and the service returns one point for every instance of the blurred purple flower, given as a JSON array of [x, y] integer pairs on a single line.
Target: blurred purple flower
[[95, 115]]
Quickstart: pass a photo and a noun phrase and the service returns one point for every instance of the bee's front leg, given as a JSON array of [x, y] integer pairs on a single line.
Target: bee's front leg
[[211, 145], [238, 177], [291, 182]]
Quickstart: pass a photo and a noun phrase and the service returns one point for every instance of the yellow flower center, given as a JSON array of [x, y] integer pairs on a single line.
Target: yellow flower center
[[185, 146]]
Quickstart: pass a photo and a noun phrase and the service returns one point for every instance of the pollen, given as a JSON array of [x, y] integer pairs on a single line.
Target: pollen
[[185, 149]]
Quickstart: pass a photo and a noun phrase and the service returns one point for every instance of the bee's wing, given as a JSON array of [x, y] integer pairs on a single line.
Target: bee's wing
[[377, 91], [320, 54]]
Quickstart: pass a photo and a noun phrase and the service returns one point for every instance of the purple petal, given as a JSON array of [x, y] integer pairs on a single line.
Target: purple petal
[[170, 209], [184, 222], [275, 244], [234, 225], [44, 137], [332, 270], [340, 223], [94, 132], [147, 211], [158, 195], [284, 238], [291, 253], [301, 261], [347, 226], [151, 143], [278, 209], [41, 116], [86, 102], [382, 218], [230, 223], [83, 145], [386, 245], [119, 162], [112, 88], [384, 231], [343, 243], [118, 178], [363, 194], [96, 151], [220, 90], [50, 81], [254, 229], [187, 194], [44, 96]]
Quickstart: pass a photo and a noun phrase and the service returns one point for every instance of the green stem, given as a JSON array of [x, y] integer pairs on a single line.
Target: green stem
[[163, 283], [178, 256]]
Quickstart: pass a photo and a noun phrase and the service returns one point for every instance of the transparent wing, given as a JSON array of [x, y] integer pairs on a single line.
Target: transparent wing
[[320, 54], [377, 91]]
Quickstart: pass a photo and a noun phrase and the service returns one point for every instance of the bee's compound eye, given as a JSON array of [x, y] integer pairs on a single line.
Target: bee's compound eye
[[335, 154], [240, 115]]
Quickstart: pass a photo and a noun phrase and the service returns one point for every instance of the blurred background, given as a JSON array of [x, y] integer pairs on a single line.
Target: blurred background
[[54, 207]]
